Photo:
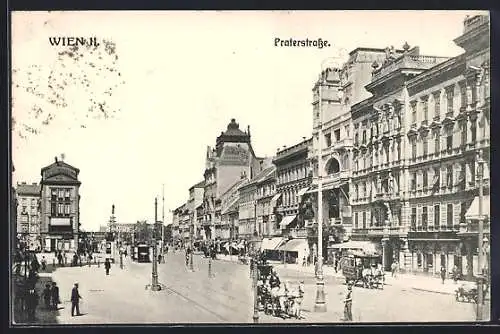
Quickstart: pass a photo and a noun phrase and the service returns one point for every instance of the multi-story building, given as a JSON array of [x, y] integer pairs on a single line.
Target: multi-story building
[[265, 192], [28, 214], [415, 143], [293, 180], [176, 235], [195, 200], [233, 156], [228, 229], [60, 207]]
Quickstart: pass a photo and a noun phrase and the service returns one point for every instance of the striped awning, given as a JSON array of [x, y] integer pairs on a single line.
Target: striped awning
[[271, 243]]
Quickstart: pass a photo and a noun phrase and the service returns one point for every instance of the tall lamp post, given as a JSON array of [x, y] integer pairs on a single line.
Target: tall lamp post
[[155, 286], [320, 303], [256, 243], [191, 230], [480, 258]]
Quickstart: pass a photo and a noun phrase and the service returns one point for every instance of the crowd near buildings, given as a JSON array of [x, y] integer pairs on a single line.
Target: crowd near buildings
[[403, 138]]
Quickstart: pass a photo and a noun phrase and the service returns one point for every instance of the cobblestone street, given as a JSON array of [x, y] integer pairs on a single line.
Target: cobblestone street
[[227, 297]]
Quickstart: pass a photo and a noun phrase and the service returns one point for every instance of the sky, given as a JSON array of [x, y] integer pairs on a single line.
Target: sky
[[136, 113]]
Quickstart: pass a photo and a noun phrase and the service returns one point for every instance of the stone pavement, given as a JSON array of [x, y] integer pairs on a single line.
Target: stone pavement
[[416, 282]]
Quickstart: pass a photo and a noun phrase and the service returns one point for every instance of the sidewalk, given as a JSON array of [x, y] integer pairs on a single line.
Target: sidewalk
[[420, 283]]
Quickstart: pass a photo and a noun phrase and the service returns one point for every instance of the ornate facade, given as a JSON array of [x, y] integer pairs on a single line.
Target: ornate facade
[[415, 139], [233, 156], [60, 207]]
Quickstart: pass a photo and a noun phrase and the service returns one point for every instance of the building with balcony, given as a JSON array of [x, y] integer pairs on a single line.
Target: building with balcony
[[28, 214], [232, 156], [414, 161], [60, 207], [293, 180], [265, 192]]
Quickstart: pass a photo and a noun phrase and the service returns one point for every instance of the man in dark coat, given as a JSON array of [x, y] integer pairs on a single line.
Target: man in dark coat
[[31, 303], [75, 300], [107, 266], [47, 296], [55, 296]]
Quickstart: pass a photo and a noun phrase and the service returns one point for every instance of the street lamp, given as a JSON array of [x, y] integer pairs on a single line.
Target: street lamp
[[256, 243], [154, 286], [481, 278]]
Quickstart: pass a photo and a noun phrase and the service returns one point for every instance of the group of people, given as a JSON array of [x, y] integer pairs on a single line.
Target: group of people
[[50, 296]]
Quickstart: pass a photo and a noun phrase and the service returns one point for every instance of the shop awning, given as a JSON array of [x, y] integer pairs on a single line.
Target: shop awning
[[275, 199], [271, 243], [295, 245], [366, 246], [287, 220], [302, 191], [473, 211]]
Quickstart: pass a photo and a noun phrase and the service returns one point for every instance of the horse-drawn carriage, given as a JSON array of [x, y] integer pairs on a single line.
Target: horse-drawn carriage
[[360, 268], [283, 301], [467, 292]]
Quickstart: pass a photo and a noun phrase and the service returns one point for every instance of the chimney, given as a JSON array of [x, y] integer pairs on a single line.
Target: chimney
[[55, 158], [248, 127]]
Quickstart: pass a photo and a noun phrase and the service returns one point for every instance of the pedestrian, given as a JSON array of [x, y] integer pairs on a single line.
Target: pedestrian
[[348, 304], [443, 274], [32, 303], [44, 263], [455, 274], [159, 258], [107, 266], [60, 258], [75, 301], [55, 300], [47, 295], [304, 261]]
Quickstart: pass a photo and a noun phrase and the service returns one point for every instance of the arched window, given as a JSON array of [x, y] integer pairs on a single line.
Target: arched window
[[333, 166]]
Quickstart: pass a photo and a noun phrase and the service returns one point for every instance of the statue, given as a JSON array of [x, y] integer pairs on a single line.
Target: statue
[[391, 183]]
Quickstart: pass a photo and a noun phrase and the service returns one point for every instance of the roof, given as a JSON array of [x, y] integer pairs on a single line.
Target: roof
[[28, 189], [233, 129], [235, 186], [200, 184], [264, 174], [60, 163]]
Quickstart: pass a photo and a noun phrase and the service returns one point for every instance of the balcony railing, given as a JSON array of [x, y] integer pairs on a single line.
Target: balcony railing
[[408, 62]]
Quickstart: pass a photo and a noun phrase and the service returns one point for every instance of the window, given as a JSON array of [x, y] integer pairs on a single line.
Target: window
[[464, 134], [424, 179], [54, 193], [449, 215], [67, 209], [60, 209], [449, 176], [347, 131], [356, 191], [473, 132], [413, 148], [399, 150], [337, 135], [437, 104], [449, 141], [413, 112], [364, 136], [437, 216], [425, 107], [364, 219], [356, 221], [413, 219], [472, 173], [356, 139], [53, 209], [437, 146], [424, 218], [463, 210], [67, 193], [425, 144], [61, 193], [463, 95], [449, 101], [413, 181], [328, 139]]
